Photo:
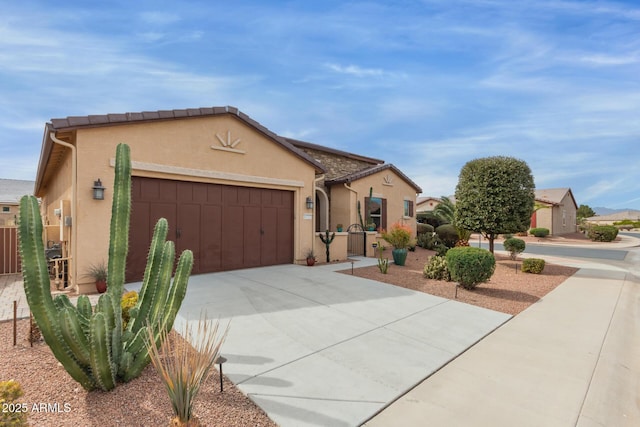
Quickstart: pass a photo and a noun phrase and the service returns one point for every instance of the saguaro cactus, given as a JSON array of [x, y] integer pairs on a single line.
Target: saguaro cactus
[[326, 239], [90, 343]]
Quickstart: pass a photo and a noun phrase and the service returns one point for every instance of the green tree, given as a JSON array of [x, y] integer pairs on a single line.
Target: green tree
[[495, 195], [584, 211], [445, 210]]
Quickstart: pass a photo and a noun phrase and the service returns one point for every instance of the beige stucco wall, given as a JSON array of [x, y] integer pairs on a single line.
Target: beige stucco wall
[[178, 150], [8, 218], [559, 219]]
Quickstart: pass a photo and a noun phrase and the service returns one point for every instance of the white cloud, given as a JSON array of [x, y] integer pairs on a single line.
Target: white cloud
[[356, 71]]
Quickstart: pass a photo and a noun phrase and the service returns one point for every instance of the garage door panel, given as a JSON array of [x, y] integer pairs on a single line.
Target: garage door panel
[[226, 227], [211, 238]]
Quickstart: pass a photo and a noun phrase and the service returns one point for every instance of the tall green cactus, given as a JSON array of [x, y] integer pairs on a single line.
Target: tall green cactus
[[90, 342], [326, 239]]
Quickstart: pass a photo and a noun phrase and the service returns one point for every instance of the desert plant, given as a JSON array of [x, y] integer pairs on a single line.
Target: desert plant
[[448, 235], [470, 266], [514, 246], [183, 368], [91, 344], [383, 265], [399, 236], [436, 268], [129, 300], [327, 239], [13, 414], [533, 265], [98, 272], [424, 228], [539, 232], [603, 233]]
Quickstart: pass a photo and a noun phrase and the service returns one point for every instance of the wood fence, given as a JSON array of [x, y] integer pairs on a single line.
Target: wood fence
[[9, 255]]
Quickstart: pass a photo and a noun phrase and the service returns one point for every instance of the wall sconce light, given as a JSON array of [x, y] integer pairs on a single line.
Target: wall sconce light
[[309, 203], [98, 190]]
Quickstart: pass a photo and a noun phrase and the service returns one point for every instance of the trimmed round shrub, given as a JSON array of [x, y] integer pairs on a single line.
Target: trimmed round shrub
[[436, 268], [424, 228], [470, 266], [603, 233], [515, 246], [447, 234], [539, 232], [533, 265]]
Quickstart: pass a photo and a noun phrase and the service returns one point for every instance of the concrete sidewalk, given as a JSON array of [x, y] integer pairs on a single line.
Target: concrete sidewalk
[[573, 358]]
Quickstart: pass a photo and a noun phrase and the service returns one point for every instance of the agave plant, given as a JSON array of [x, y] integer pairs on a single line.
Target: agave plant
[[91, 343], [183, 368]]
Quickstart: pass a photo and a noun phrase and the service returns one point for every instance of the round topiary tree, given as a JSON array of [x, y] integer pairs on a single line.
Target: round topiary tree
[[448, 234], [470, 266], [515, 246]]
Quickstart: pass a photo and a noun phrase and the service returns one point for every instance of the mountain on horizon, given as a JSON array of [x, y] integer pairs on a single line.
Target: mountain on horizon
[[607, 211]]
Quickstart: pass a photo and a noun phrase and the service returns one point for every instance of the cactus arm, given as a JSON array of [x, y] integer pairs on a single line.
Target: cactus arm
[[74, 336], [101, 365], [119, 230], [179, 288], [151, 274], [158, 304], [326, 239], [84, 306]]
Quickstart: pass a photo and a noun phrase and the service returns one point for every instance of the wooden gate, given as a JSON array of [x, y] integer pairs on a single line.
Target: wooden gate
[[356, 241], [9, 255]]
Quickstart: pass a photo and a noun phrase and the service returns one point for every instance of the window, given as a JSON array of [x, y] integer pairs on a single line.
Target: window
[[6, 209], [408, 208], [376, 209], [564, 217]]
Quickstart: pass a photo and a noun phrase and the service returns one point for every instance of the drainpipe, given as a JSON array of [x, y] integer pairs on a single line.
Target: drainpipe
[[354, 191], [313, 213], [74, 180]]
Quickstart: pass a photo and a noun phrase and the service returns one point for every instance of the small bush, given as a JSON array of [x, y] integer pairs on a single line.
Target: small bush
[[436, 268], [129, 300], [424, 228], [10, 391], [539, 232], [428, 240], [603, 233], [533, 265], [470, 266], [515, 246], [448, 234]]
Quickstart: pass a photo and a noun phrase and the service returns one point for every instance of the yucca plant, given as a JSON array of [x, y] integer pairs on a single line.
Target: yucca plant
[[183, 368]]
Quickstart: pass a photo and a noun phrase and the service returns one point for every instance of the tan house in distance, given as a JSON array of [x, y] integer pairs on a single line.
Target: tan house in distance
[[235, 193], [427, 204], [557, 212], [11, 191]]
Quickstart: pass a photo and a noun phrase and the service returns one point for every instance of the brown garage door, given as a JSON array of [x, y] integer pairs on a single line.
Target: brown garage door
[[226, 227]]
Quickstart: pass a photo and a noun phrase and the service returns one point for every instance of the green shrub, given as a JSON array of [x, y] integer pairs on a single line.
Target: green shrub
[[515, 246], [603, 233], [436, 268], [448, 234], [533, 265], [424, 228], [539, 232], [428, 240], [470, 266], [10, 391]]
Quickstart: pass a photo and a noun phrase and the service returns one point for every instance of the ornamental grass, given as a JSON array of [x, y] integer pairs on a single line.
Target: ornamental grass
[[183, 368]]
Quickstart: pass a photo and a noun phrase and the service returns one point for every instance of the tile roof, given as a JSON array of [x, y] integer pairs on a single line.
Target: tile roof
[[370, 171], [304, 144], [11, 190], [553, 196], [617, 216]]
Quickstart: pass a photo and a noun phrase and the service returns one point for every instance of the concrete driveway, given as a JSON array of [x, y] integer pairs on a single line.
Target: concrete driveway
[[313, 347]]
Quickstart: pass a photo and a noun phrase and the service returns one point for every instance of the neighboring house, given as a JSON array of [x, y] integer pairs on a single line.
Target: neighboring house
[[557, 211], [235, 193], [427, 204], [11, 190], [632, 215]]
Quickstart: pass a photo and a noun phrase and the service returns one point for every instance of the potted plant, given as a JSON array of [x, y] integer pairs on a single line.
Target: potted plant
[[99, 273], [399, 236], [339, 227], [311, 257], [371, 226]]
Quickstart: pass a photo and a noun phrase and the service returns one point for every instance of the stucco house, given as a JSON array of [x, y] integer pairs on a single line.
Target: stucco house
[[235, 193], [632, 215], [11, 190], [556, 211], [427, 204]]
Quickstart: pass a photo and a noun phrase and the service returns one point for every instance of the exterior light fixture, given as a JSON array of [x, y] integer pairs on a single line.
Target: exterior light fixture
[[98, 190], [309, 203]]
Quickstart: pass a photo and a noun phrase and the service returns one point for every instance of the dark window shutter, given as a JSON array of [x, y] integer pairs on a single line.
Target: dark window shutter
[[383, 220], [367, 211], [410, 208]]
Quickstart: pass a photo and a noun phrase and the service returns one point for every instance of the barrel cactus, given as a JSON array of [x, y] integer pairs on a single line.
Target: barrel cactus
[[90, 342]]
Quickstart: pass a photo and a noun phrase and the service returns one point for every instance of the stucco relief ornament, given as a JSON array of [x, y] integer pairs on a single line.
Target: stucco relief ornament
[[228, 144], [387, 180]]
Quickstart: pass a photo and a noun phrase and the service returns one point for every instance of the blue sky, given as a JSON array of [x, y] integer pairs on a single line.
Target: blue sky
[[425, 85]]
